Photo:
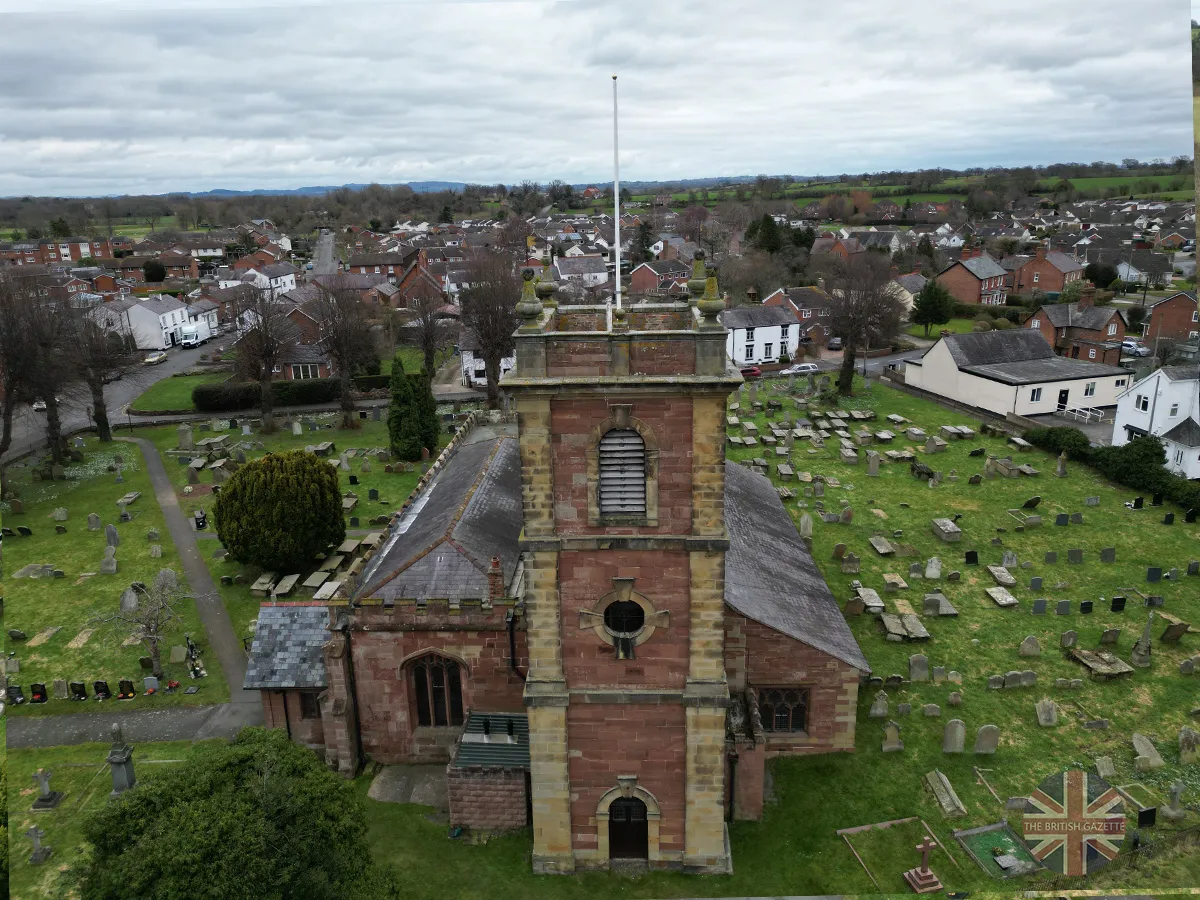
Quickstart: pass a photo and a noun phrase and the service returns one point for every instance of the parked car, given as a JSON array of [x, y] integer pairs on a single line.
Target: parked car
[[309, 267], [800, 369], [1134, 348], [40, 405], [155, 358], [835, 343], [751, 372]]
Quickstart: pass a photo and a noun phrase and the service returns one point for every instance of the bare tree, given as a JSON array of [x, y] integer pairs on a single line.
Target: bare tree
[[426, 328], [266, 333], [489, 309], [102, 354], [865, 309], [345, 335], [149, 613]]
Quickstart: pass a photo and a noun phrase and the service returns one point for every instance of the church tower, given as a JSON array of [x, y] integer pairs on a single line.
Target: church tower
[[621, 416]]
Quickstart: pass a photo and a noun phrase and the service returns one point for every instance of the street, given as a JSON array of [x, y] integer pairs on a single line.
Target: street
[[29, 427], [323, 259]]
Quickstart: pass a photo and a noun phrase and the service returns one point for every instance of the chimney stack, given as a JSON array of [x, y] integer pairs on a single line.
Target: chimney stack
[[495, 578], [1041, 251], [1087, 297], [752, 295], [820, 284]]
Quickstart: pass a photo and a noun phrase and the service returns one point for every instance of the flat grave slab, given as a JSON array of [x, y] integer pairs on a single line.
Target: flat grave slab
[[893, 627], [349, 546], [1002, 576], [285, 586], [315, 580], [332, 563], [1101, 663], [1001, 597], [327, 590], [871, 600], [265, 583], [882, 545]]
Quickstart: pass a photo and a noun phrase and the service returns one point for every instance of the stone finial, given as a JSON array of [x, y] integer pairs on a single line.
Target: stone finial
[[529, 308], [710, 304], [697, 282]]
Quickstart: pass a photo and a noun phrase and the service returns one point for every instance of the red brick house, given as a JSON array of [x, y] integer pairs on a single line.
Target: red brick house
[[590, 615], [128, 267], [393, 265], [1046, 271], [1174, 318], [657, 275], [974, 278], [811, 307], [254, 260], [1081, 330], [180, 265]]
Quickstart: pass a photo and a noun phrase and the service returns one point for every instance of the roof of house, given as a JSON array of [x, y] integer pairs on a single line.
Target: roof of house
[[382, 259], [913, 282], [1069, 315], [580, 265], [756, 316], [162, 303], [277, 270], [1186, 432], [770, 575], [982, 267], [665, 267], [286, 652], [477, 750], [444, 545], [1019, 356], [1179, 373], [1062, 262]]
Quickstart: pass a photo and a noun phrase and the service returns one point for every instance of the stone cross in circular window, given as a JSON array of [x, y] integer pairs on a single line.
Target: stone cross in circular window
[[623, 618]]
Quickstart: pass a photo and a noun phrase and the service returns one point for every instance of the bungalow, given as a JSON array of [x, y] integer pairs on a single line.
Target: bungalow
[[1014, 371]]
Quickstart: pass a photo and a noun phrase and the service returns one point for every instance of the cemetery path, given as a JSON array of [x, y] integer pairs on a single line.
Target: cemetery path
[[183, 723], [222, 638]]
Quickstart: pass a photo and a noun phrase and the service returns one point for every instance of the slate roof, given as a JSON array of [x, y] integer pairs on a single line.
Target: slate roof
[[1186, 432], [985, 347], [442, 548], [1069, 315], [1062, 262], [1179, 373], [286, 652], [983, 267], [913, 283], [163, 303], [770, 576], [580, 265], [756, 316]]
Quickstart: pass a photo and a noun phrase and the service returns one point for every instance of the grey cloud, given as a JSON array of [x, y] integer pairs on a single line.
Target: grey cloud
[[258, 95]]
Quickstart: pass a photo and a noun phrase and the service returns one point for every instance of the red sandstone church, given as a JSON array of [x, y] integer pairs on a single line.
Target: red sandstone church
[[600, 625]]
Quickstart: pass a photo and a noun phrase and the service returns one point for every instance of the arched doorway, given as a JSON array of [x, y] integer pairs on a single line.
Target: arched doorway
[[628, 829]]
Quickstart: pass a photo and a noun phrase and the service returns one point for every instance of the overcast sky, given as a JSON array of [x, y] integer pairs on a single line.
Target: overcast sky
[[120, 96]]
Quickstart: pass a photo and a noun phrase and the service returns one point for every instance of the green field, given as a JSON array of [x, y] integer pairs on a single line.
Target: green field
[[956, 326], [69, 603], [174, 393]]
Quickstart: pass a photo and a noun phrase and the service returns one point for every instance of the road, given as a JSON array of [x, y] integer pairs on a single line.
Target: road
[[323, 259], [29, 427]]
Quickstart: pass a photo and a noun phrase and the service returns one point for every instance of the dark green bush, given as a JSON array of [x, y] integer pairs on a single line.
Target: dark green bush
[[226, 396], [372, 382], [1137, 465], [305, 391], [1056, 440], [279, 511]]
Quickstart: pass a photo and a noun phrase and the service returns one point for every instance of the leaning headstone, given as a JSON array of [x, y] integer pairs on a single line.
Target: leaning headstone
[[987, 739], [954, 736], [1148, 758], [1030, 647], [1110, 636], [111, 536], [1189, 746], [1105, 768]]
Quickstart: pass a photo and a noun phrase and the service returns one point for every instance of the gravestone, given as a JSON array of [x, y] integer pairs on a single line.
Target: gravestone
[[1189, 746], [297, 429], [59, 515], [1190, 516], [839, 551], [1039, 606], [987, 739], [918, 668], [891, 738], [1076, 518], [971, 558], [111, 536], [933, 569], [1035, 583], [1153, 574], [995, 682], [1108, 554], [1086, 606], [1051, 557], [1117, 604], [1009, 560], [1075, 557], [1062, 519], [879, 706], [1148, 758], [1092, 501], [1158, 500], [93, 522], [1063, 608], [939, 674], [1138, 502], [1067, 639], [954, 736], [1047, 713], [1169, 519], [850, 564], [931, 711], [1110, 636], [1030, 647]]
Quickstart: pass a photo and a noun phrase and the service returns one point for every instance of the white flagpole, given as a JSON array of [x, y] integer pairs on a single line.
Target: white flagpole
[[616, 197]]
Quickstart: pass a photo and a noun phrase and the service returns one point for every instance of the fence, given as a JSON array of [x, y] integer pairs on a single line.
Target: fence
[[1188, 837]]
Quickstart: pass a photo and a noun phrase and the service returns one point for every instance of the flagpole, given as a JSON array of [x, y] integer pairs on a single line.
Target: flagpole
[[616, 198]]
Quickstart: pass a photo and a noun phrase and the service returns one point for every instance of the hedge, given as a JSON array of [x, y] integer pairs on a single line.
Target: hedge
[[230, 396], [1137, 465], [973, 310], [372, 382]]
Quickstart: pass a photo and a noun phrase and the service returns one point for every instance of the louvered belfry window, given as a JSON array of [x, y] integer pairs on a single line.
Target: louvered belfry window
[[622, 473]]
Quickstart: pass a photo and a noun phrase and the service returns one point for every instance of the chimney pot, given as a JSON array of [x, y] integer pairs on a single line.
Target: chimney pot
[[495, 580]]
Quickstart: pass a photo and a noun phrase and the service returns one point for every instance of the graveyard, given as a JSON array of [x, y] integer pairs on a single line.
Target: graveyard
[[59, 580], [82, 776]]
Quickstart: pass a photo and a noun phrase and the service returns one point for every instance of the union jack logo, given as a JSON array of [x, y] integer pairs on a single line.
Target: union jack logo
[[1074, 823]]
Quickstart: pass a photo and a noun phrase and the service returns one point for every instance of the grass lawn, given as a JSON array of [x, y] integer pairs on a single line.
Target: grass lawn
[[957, 326], [414, 360], [174, 392], [393, 487], [81, 773], [68, 603]]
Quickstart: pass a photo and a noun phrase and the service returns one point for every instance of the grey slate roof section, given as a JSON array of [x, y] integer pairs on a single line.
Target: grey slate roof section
[[913, 282], [986, 347], [435, 552], [1186, 433], [756, 316], [580, 265], [1062, 262], [286, 652], [163, 303], [1069, 315], [1036, 371], [770, 576], [983, 267], [1180, 373], [498, 751]]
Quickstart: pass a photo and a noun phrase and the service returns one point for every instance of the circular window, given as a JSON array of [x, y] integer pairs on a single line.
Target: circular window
[[624, 618]]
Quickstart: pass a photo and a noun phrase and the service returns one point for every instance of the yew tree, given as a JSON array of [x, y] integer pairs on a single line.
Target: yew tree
[[279, 511]]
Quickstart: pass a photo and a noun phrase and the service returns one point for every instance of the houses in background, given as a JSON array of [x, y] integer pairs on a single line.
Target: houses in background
[[975, 278], [1165, 403], [759, 334], [1081, 330], [1174, 319], [810, 306]]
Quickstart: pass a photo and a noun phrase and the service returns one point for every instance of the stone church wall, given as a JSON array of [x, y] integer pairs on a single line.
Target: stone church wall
[[487, 797]]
